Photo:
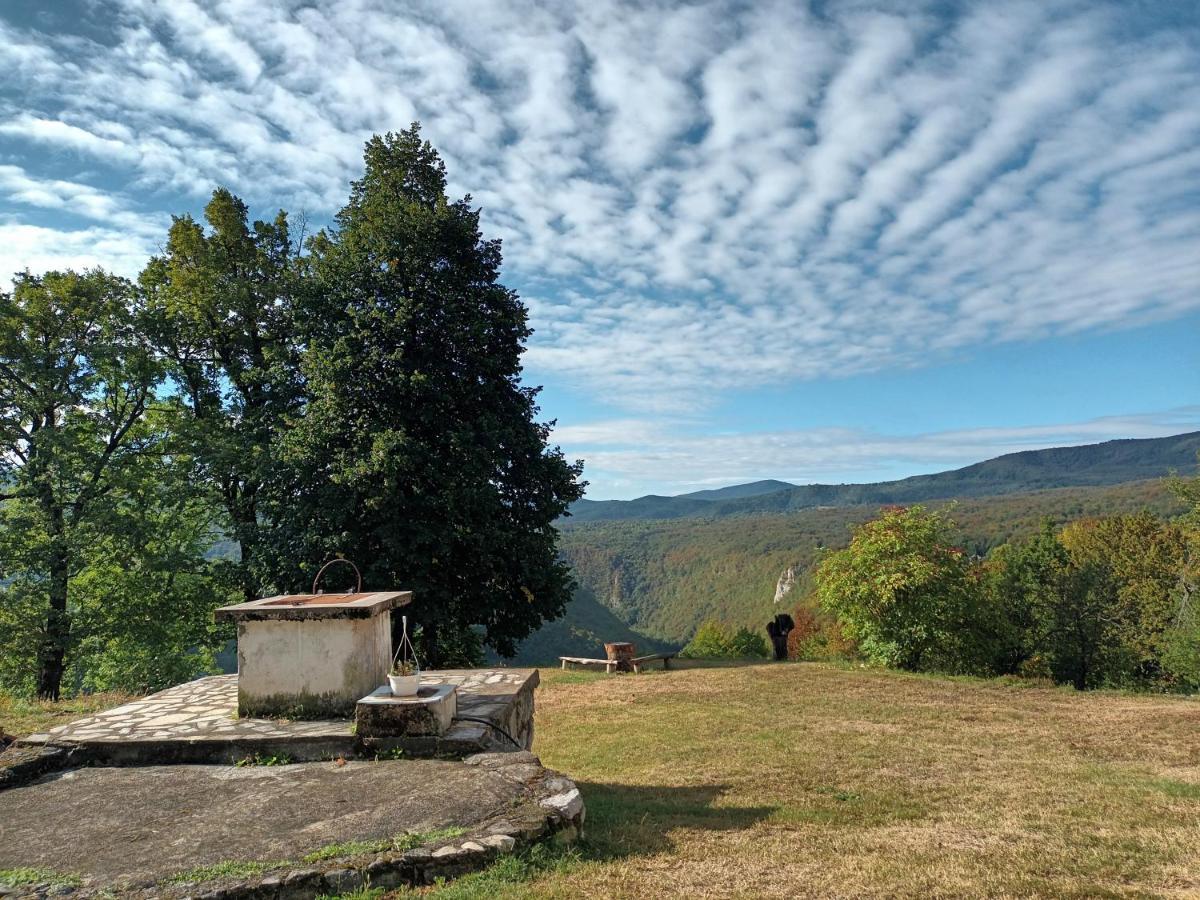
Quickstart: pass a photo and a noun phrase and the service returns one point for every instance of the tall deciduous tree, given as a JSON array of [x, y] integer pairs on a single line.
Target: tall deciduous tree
[[420, 454], [1144, 557], [223, 307], [905, 592], [76, 379]]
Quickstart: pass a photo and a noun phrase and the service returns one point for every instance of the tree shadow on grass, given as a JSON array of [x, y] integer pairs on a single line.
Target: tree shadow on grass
[[622, 821], [625, 820]]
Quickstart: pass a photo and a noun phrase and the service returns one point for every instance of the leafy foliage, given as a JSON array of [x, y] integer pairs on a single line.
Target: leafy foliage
[[903, 591], [99, 541], [419, 452], [220, 310], [716, 641], [1094, 605]]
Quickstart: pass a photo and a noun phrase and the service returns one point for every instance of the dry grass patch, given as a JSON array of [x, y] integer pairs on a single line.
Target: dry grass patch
[[795, 780], [21, 717]]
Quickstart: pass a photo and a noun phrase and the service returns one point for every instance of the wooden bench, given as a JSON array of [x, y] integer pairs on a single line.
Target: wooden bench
[[611, 664], [638, 661]]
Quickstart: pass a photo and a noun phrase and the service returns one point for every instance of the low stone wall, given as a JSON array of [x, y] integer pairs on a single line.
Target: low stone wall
[[552, 809]]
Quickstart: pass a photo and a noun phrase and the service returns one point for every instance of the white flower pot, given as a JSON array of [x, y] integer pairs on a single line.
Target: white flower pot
[[404, 685]]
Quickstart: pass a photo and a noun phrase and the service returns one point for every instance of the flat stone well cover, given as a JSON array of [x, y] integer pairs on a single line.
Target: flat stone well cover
[[315, 606]]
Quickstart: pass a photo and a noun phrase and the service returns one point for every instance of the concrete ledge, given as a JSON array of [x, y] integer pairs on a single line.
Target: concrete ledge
[[429, 713]]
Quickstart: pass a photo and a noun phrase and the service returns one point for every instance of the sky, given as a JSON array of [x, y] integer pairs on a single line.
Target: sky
[[841, 241]]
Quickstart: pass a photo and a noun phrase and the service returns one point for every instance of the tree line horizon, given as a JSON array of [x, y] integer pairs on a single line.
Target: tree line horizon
[[356, 394]]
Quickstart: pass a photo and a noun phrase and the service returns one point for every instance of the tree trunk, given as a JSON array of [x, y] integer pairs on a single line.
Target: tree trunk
[[53, 651]]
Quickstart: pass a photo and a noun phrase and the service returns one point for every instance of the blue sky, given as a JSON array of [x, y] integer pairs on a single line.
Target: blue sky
[[847, 241]]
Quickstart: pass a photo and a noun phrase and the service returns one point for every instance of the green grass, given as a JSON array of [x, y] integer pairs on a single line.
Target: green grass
[[19, 716], [226, 869], [240, 869], [263, 759], [807, 780], [19, 877]]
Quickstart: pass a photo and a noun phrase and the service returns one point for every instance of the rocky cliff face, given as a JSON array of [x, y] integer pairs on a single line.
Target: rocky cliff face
[[786, 582]]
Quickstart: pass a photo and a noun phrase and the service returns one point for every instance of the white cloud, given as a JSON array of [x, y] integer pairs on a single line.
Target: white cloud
[[119, 239], [695, 197]]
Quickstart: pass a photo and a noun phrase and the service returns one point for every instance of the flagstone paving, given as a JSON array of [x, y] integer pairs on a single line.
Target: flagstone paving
[[205, 711]]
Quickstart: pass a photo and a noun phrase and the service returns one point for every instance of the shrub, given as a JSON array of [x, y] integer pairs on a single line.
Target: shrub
[[905, 593], [713, 640], [747, 644], [802, 637]]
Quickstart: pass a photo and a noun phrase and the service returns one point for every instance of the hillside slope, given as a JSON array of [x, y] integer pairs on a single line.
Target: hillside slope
[[1111, 462], [657, 580]]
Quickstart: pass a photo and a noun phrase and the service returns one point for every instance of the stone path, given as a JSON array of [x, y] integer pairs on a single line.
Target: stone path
[[201, 715]]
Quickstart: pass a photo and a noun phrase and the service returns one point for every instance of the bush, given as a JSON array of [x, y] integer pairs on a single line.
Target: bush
[[747, 644], [905, 593], [803, 637], [713, 640]]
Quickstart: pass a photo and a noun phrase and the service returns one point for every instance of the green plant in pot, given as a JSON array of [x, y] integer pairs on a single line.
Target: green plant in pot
[[404, 677]]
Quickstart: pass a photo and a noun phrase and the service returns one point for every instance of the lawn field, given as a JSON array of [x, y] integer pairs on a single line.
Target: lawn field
[[799, 779], [807, 780]]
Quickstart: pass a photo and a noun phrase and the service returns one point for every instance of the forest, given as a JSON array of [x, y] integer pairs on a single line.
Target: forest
[[664, 577], [1105, 601]]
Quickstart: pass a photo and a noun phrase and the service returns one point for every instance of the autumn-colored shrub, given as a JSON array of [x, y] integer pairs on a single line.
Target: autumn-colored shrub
[[807, 627]]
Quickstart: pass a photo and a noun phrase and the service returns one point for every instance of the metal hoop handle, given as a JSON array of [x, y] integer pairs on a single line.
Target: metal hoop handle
[[321, 571]]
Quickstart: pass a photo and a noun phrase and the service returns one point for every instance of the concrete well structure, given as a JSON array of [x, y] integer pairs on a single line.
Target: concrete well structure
[[312, 656]]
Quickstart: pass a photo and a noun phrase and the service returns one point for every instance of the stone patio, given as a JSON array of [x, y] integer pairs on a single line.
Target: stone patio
[[197, 722]]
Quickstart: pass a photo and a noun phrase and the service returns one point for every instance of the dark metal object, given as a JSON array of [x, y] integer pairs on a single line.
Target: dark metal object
[[778, 630], [321, 571]]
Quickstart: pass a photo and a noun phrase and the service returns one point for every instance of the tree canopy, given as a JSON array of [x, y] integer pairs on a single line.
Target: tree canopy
[[360, 395], [419, 453]]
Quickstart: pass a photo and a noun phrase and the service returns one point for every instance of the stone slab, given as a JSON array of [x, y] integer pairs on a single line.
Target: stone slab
[[297, 607], [429, 713], [131, 830]]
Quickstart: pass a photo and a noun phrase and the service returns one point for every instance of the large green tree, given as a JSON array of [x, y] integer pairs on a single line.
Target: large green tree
[[76, 379], [1144, 557], [102, 534], [420, 454], [221, 306], [905, 592]]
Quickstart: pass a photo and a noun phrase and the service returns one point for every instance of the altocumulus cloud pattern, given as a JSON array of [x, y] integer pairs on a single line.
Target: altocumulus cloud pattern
[[693, 197]]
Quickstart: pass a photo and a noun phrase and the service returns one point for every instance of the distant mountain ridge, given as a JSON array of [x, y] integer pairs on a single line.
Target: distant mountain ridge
[[1087, 465]]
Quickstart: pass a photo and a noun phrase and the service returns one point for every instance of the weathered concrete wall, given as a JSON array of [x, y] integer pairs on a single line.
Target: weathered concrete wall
[[311, 668]]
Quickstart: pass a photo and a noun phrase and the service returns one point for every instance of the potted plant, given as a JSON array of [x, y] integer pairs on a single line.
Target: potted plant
[[404, 677]]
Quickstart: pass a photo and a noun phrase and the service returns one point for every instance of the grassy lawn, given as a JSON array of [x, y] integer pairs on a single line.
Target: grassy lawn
[[800, 779], [21, 717]]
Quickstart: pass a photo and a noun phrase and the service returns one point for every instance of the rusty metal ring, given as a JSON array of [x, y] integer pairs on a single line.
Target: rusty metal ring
[[321, 571]]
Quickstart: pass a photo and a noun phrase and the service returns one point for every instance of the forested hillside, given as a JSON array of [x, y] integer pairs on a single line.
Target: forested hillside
[[1111, 462], [660, 579]]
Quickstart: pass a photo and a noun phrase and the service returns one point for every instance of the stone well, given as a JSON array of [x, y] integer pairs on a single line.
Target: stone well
[[312, 656]]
